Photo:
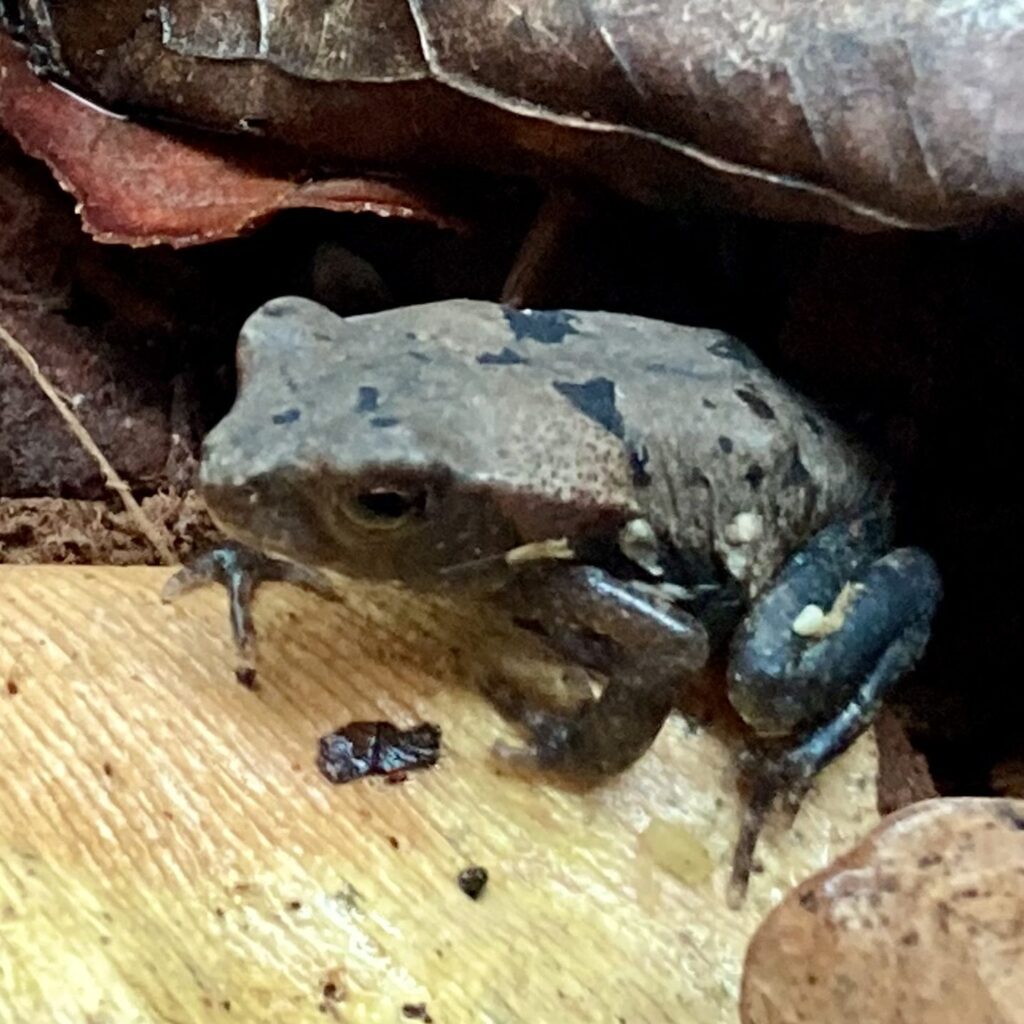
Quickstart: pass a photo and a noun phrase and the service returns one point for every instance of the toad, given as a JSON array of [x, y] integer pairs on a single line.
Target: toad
[[640, 493]]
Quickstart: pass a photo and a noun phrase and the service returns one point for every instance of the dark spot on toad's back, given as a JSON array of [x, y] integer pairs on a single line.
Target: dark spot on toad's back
[[278, 309], [384, 421], [377, 748], [420, 357], [472, 881], [549, 327], [638, 467], [730, 348], [814, 424], [367, 399], [288, 416], [595, 398], [725, 443], [1011, 815], [797, 474], [754, 476], [708, 404], [506, 357], [757, 404]]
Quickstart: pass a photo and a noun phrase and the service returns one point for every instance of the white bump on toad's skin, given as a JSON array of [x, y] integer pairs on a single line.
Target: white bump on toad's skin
[[638, 542], [814, 622], [744, 528], [808, 622]]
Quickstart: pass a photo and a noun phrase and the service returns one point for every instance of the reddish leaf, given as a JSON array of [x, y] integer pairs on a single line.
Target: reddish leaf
[[140, 186]]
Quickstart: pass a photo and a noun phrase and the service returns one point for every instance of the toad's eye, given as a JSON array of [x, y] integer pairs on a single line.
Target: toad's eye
[[384, 508]]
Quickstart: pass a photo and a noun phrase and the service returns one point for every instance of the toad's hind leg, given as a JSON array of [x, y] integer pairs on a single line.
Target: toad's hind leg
[[821, 677], [643, 645]]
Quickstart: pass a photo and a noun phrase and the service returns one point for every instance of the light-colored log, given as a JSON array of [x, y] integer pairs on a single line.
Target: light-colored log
[[169, 852]]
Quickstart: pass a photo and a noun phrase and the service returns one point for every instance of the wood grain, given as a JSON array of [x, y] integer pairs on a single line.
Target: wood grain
[[169, 852]]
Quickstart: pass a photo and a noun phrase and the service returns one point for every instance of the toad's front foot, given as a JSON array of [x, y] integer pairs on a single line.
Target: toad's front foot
[[240, 571]]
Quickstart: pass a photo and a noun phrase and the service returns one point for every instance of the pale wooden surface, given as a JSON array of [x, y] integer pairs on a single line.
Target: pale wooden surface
[[169, 852]]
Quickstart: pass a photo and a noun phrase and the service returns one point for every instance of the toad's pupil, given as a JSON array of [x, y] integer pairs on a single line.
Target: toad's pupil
[[391, 504]]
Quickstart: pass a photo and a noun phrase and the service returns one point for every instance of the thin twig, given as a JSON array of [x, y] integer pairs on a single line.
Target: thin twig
[[157, 537], [536, 260]]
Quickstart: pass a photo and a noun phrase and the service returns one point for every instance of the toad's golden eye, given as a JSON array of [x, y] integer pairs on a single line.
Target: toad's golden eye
[[385, 508]]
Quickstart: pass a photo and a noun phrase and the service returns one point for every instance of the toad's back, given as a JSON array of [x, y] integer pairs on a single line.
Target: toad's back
[[683, 425]]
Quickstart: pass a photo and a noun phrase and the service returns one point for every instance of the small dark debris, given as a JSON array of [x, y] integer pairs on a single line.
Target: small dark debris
[[377, 748], [367, 399], [12, 688], [393, 842], [288, 416], [809, 901], [333, 992], [909, 939], [108, 769], [506, 357], [246, 675], [549, 327], [417, 1011], [385, 421], [472, 881], [725, 443], [708, 404], [758, 406], [929, 860], [396, 777], [294, 904]]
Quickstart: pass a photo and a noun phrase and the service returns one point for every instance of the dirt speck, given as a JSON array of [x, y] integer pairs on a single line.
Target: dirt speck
[[377, 748], [473, 880]]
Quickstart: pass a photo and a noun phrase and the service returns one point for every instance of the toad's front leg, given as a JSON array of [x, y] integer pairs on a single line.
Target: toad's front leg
[[641, 643], [241, 570], [841, 623]]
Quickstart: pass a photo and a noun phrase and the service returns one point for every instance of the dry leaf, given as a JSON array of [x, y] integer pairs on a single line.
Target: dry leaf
[[867, 112], [922, 922], [140, 186]]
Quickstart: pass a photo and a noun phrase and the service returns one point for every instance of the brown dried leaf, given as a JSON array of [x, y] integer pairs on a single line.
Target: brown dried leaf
[[923, 921], [140, 186], [865, 112]]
